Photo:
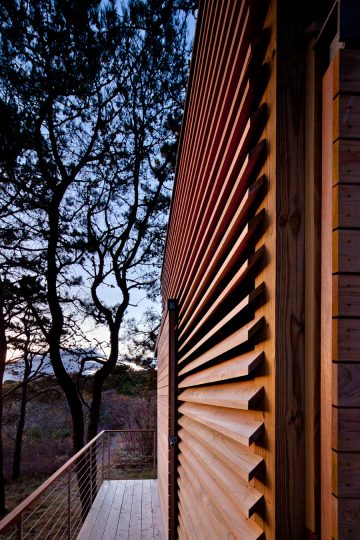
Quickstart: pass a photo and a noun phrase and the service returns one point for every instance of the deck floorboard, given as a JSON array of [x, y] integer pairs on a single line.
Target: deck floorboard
[[124, 510]]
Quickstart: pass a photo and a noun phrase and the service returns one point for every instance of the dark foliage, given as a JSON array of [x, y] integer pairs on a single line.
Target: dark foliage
[[91, 99]]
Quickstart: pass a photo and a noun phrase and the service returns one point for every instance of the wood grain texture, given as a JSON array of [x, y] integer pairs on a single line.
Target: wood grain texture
[[346, 161], [346, 474], [346, 385], [241, 308], [346, 429], [240, 366], [346, 72], [290, 276], [227, 229], [312, 287], [346, 340], [207, 289], [244, 496], [249, 268], [239, 458], [236, 339], [241, 395], [346, 204], [326, 341], [225, 507], [163, 353], [348, 518], [124, 509], [346, 119], [242, 426], [346, 299], [346, 253]]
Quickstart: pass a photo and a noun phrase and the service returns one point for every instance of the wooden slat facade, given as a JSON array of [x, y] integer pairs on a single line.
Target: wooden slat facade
[[247, 250]]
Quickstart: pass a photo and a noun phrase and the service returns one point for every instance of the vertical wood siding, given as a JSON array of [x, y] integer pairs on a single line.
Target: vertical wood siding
[[340, 299], [162, 354]]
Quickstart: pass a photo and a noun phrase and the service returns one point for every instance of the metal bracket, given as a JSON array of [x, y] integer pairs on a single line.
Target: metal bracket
[[173, 441]]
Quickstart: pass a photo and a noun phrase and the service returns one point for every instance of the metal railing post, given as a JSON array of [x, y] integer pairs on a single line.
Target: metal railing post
[[69, 504], [108, 455], [102, 458], [20, 528], [91, 476]]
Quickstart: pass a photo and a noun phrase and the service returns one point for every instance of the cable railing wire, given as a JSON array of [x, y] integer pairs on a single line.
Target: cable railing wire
[[57, 509]]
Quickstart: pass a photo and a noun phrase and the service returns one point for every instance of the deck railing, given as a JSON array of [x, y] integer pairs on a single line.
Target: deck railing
[[58, 508]]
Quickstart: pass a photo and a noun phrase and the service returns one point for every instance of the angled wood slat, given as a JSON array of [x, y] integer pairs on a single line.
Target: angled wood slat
[[229, 128], [207, 287], [242, 173], [239, 395], [219, 148], [242, 426], [244, 496], [197, 517], [346, 77], [226, 165], [194, 138], [225, 508], [234, 455], [237, 39], [236, 339], [249, 267], [239, 309], [186, 527], [191, 484], [196, 116], [223, 231], [241, 366]]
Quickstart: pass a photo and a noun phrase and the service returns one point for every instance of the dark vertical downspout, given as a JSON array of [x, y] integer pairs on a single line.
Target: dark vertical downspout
[[173, 424]]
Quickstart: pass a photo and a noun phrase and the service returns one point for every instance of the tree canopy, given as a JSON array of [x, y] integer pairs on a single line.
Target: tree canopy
[[91, 96]]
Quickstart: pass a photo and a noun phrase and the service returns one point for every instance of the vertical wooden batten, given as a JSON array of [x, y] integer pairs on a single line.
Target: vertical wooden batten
[[167, 427], [290, 270]]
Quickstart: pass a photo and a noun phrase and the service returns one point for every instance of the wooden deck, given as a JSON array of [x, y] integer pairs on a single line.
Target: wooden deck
[[124, 510]]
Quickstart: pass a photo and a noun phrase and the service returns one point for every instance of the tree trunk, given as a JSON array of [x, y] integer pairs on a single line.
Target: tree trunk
[[56, 331], [3, 352], [63, 378], [99, 378], [20, 428]]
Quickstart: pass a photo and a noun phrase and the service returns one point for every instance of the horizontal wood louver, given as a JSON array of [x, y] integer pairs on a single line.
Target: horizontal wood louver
[[215, 253]]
